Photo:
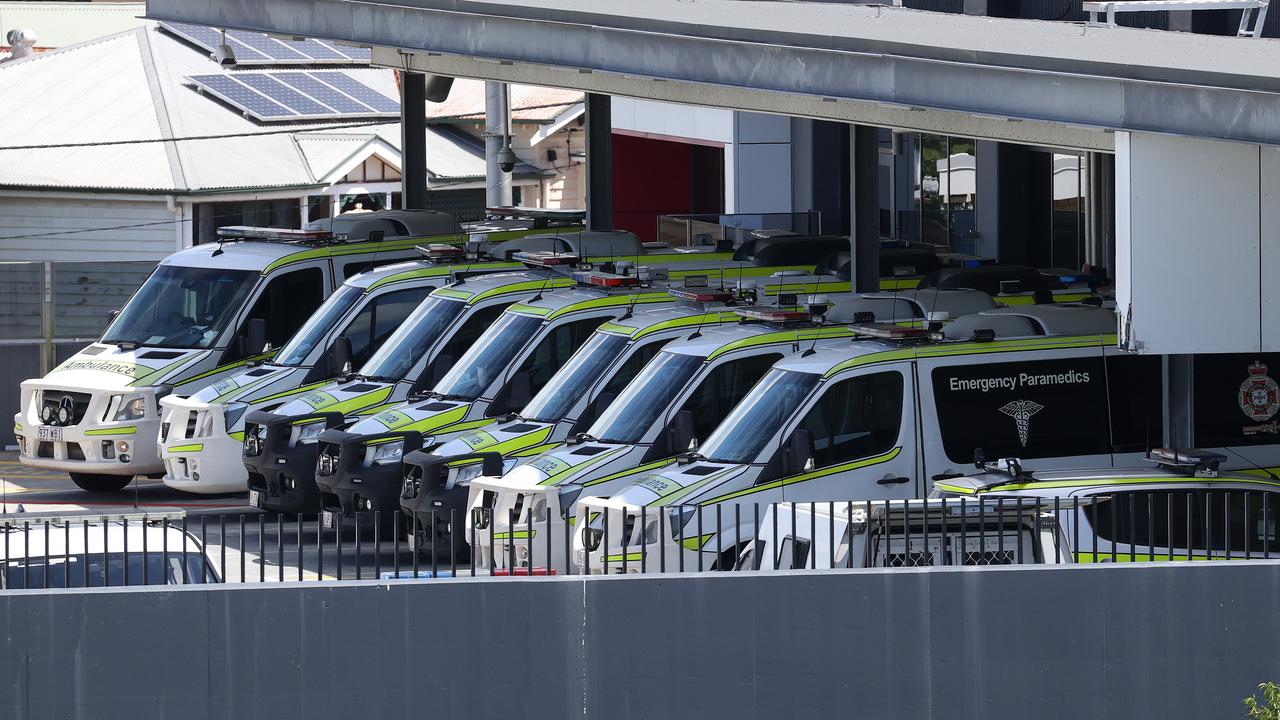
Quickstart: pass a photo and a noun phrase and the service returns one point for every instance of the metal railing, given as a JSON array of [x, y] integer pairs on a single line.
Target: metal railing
[[161, 547]]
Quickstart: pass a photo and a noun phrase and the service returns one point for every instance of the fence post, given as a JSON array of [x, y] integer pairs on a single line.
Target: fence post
[[47, 356]]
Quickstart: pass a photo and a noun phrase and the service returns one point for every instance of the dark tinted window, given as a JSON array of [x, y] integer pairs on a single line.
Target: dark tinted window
[[723, 388], [632, 367], [458, 344], [1046, 408], [554, 350], [377, 320], [1236, 399], [1137, 400], [285, 303], [1209, 519], [856, 418]]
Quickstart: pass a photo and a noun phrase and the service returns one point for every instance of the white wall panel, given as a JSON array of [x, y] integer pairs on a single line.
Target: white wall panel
[[1189, 270], [36, 227], [1269, 179]]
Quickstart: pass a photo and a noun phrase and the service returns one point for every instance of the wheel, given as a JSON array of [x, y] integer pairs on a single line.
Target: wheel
[[101, 483]]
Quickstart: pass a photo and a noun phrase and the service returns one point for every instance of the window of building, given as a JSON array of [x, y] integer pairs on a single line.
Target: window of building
[[946, 191], [208, 217]]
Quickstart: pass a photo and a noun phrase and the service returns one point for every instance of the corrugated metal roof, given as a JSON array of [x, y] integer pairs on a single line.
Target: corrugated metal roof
[[529, 103], [132, 86], [58, 24]]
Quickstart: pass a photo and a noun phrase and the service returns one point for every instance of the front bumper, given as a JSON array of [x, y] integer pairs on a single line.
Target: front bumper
[[84, 448], [349, 482], [437, 510], [281, 471], [199, 454]]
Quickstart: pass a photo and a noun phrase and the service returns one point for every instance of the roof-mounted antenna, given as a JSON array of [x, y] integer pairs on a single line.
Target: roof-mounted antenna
[[818, 317], [541, 290]]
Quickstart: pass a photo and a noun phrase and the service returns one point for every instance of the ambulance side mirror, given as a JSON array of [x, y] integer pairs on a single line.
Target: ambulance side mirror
[[255, 336], [799, 451], [680, 434], [340, 355]]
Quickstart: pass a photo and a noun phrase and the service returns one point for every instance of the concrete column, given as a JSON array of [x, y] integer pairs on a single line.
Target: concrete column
[[413, 140], [1023, 204], [599, 162], [304, 210], [762, 163], [865, 239], [987, 190], [497, 182]]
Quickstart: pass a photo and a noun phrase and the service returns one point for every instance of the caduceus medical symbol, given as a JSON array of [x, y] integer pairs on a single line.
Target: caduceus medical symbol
[[1021, 412]]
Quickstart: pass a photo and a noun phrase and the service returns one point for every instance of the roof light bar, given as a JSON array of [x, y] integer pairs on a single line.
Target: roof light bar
[[889, 331], [1201, 462], [701, 295], [606, 280], [772, 315], [439, 251], [249, 232], [545, 258]]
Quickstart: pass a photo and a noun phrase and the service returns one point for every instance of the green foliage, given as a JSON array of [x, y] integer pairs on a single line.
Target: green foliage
[[1270, 707]]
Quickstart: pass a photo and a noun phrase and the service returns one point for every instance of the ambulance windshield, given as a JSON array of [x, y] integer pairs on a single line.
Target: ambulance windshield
[[182, 307]]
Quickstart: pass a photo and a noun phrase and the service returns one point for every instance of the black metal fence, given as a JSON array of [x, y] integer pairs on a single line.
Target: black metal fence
[[168, 547]]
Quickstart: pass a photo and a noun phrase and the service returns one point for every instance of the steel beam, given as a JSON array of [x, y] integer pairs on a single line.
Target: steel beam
[[599, 162], [1007, 79], [413, 140]]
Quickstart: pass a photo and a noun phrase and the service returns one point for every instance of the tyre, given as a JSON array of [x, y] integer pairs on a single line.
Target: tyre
[[101, 483]]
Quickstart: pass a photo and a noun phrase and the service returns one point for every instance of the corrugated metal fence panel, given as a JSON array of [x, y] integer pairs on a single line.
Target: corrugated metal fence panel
[[85, 292], [18, 361], [20, 291]]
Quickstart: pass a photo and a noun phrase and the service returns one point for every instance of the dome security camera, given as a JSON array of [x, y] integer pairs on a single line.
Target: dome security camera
[[506, 160]]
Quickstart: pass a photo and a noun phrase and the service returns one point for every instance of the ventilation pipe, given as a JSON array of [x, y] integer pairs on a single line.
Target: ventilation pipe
[[21, 43]]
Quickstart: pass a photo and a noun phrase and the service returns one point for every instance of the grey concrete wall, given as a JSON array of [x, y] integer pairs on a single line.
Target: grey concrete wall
[[1123, 642]]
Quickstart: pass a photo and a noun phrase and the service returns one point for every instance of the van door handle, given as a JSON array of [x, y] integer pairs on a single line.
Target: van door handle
[[946, 476], [893, 480]]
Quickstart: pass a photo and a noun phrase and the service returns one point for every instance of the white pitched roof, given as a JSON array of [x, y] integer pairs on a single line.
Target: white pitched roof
[[132, 85]]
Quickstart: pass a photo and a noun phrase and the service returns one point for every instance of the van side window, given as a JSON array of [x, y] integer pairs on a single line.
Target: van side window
[[1136, 395], [723, 387], [1206, 519], [463, 338], [1236, 399], [632, 367], [285, 303], [1034, 409], [794, 553], [378, 319], [856, 418], [553, 351]]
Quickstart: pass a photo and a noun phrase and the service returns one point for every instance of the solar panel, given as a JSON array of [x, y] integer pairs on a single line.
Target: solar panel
[[283, 94], [358, 90], [230, 89], [323, 93], [258, 49], [269, 47], [296, 95]]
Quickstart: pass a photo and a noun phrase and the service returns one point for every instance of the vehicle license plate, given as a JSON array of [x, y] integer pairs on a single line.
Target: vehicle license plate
[[49, 433], [255, 498]]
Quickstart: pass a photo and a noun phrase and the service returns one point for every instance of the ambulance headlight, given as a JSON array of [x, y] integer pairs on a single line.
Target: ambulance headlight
[[388, 453], [130, 407], [308, 434], [467, 473]]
